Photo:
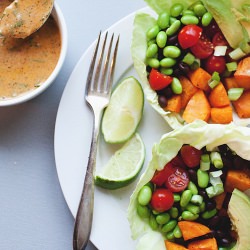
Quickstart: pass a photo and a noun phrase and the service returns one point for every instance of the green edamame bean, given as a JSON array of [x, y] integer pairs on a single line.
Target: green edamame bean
[[152, 41], [152, 50], [163, 20], [203, 206], [189, 19], [192, 187], [167, 62], [167, 71], [170, 236], [152, 222], [188, 12], [209, 214], [202, 178], [144, 195], [176, 86], [174, 27], [174, 212], [152, 32], [185, 198], [172, 20], [199, 10], [143, 211], [162, 218], [161, 39], [187, 215], [153, 63], [177, 232], [193, 208], [171, 51], [169, 226], [176, 9], [206, 19], [177, 197]]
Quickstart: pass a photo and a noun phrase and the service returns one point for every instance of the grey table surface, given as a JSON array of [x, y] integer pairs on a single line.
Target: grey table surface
[[33, 212]]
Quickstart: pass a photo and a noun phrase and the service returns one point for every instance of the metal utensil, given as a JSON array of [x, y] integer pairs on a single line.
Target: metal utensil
[[98, 90]]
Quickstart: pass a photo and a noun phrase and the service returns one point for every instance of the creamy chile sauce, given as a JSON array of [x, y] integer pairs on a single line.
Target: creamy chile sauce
[[26, 63]]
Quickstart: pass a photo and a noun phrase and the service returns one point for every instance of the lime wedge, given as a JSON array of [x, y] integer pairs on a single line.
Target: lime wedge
[[124, 112], [124, 166]]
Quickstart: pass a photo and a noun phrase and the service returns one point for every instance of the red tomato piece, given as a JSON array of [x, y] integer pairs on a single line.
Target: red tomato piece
[[178, 179], [189, 35], [203, 48], [177, 161], [157, 80], [191, 155], [215, 63], [162, 200], [159, 177], [219, 40]]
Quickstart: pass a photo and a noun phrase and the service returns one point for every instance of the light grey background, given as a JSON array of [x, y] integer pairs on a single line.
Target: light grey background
[[33, 212]]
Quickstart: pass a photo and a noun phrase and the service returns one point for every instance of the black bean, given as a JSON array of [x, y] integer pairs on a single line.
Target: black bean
[[172, 39], [167, 92], [225, 242], [214, 221], [184, 68], [203, 193], [219, 234], [210, 205], [163, 101], [192, 175]]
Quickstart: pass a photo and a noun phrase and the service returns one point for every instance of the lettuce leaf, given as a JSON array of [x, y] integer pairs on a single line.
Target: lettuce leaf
[[198, 134]]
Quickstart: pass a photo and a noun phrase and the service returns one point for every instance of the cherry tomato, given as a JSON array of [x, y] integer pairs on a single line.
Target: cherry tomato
[[177, 179], [177, 161], [219, 40], [157, 80], [215, 63], [191, 155], [203, 48], [162, 199], [189, 35], [159, 177]]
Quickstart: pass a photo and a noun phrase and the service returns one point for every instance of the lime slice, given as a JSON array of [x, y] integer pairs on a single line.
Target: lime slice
[[124, 112], [124, 166]]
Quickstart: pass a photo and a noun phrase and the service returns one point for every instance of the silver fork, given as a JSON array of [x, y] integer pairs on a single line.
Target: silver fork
[[97, 96]]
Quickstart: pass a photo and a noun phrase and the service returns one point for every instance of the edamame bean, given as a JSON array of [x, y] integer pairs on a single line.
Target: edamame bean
[[169, 226], [152, 41], [163, 20], [188, 12], [171, 51], [202, 178], [177, 197], [170, 236], [203, 206], [152, 222], [153, 63], [152, 32], [193, 208], [167, 71], [161, 39], [199, 10], [185, 198], [176, 86], [177, 232], [187, 215], [209, 214], [152, 50], [206, 19], [144, 195], [176, 9], [167, 62], [192, 187], [162, 218], [174, 27], [174, 212], [189, 19], [143, 211]]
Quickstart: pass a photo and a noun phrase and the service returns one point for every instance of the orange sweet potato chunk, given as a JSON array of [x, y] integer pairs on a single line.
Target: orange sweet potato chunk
[[207, 244], [242, 105], [173, 246], [174, 104], [237, 179], [200, 78], [198, 107], [222, 115], [242, 74], [230, 83], [218, 96]]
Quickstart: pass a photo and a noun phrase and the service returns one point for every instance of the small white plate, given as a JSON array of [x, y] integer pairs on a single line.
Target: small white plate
[[73, 129]]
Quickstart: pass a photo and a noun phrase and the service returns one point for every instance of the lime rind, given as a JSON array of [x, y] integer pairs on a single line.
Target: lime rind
[[124, 112], [124, 166]]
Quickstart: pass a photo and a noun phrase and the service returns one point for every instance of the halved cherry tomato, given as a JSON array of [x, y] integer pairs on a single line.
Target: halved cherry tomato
[[177, 179], [215, 63], [203, 48], [157, 80], [191, 155], [162, 200], [189, 35], [219, 40]]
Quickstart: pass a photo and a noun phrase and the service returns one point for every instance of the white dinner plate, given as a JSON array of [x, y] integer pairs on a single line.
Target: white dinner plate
[[73, 129]]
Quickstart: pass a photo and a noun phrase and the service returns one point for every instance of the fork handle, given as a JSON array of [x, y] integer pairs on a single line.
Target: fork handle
[[83, 221]]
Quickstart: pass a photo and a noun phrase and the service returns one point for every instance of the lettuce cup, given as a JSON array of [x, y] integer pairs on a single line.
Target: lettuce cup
[[193, 193], [192, 58]]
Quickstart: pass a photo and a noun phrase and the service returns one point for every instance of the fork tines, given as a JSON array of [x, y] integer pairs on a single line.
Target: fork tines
[[102, 82]]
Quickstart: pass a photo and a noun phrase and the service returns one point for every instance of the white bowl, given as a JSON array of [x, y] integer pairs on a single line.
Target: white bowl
[[59, 18]]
